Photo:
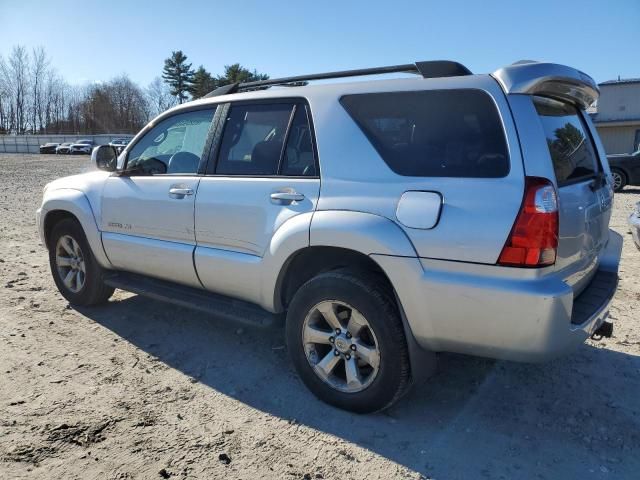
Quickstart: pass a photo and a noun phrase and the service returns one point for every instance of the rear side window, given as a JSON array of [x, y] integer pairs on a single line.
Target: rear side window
[[433, 133], [569, 144], [298, 155], [253, 139]]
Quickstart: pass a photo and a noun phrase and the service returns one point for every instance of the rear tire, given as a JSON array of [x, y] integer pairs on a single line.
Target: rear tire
[[619, 179], [365, 367], [75, 270]]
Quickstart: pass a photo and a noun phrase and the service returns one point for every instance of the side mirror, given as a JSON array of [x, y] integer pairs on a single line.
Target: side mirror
[[105, 157]]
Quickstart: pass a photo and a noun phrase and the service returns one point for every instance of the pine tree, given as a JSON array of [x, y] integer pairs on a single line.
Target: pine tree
[[202, 83], [178, 75], [236, 73]]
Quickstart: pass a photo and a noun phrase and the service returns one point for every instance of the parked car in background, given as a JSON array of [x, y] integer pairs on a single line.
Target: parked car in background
[[119, 143], [625, 169], [634, 224], [49, 147], [82, 147], [63, 148], [447, 213]]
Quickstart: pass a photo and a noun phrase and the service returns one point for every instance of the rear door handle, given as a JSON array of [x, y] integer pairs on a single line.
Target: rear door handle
[[180, 192], [287, 197]]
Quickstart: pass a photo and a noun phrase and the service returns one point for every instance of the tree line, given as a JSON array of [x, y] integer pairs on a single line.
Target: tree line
[[35, 97]]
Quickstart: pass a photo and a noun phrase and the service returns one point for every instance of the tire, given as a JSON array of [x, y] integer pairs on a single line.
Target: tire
[[345, 292], [86, 286], [619, 179]]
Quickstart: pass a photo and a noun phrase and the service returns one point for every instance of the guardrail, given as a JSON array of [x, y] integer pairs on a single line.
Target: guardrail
[[31, 143]]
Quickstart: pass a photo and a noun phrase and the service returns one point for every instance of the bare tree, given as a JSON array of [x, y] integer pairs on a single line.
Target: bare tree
[[14, 73], [116, 106], [4, 100], [39, 67], [159, 97]]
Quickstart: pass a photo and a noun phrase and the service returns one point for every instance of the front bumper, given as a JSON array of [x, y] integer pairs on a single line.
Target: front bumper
[[500, 312], [634, 225]]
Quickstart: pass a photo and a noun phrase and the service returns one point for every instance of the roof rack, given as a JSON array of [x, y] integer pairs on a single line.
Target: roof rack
[[429, 69]]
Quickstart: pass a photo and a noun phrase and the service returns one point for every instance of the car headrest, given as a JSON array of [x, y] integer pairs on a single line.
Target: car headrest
[[265, 156], [183, 162]]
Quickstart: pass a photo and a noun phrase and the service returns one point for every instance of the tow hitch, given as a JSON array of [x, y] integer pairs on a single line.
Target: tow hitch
[[604, 330]]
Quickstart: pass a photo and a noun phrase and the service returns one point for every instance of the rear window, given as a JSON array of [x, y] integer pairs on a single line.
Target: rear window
[[433, 133], [569, 144]]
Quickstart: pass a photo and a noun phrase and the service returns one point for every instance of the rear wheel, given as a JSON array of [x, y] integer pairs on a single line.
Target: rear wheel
[[619, 179], [346, 340], [75, 270]]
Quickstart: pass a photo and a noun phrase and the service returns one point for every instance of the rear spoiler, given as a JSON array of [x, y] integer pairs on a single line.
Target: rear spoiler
[[550, 80]]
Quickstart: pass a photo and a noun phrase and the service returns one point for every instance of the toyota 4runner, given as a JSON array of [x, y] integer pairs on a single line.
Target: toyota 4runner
[[386, 220]]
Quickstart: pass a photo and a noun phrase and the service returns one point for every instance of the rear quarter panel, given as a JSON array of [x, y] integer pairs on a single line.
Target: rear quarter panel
[[477, 213]]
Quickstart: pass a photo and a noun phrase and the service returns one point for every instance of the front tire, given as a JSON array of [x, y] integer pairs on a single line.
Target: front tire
[[346, 341], [619, 179], [75, 270]]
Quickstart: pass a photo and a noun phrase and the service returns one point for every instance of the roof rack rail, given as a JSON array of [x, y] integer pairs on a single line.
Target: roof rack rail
[[428, 69]]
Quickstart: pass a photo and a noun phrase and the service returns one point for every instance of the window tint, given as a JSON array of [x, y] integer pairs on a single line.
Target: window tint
[[298, 156], [433, 133], [175, 145], [253, 138], [569, 144]]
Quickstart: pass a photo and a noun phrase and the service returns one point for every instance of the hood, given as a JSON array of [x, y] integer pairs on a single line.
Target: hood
[[85, 182]]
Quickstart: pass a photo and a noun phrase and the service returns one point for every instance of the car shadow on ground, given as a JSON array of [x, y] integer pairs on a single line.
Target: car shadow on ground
[[629, 190], [574, 417]]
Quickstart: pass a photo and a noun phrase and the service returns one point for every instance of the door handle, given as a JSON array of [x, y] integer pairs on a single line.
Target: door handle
[[180, 192], [287, 196]]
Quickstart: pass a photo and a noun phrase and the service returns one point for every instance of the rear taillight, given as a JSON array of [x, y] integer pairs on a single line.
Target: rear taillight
[[533, 241]]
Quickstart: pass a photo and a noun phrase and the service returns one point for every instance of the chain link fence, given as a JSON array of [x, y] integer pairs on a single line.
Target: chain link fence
[[31, 143]]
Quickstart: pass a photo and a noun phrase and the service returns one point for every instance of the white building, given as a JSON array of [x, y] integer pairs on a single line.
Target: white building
[[618, 115]]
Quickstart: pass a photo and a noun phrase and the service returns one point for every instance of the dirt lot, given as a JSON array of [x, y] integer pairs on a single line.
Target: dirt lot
[[139, 389]]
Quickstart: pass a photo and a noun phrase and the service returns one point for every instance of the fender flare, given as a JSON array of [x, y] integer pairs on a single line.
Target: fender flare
[[365, 233], [76, 203]]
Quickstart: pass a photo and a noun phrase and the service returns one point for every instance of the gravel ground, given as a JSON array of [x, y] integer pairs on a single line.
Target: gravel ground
[[139, 389]]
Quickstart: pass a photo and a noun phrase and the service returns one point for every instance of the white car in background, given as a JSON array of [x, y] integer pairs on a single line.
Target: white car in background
[[63, 148], [81, 147], [119, 143]]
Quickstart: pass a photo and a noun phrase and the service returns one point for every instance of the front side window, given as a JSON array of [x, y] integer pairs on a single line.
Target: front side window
[[253, 139], [433, 133], [570, 146], [174, 146]]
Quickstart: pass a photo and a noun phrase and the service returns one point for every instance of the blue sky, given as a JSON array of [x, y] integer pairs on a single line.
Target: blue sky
[[93, 41]]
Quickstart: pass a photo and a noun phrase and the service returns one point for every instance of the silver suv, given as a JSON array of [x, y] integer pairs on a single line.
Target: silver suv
[[386, 220]]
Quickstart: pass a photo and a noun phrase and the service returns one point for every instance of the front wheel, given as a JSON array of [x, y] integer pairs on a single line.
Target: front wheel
[[73, 266], [346, 341]]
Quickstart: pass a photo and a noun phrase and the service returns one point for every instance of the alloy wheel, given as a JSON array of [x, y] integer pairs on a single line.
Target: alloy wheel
[[340, 346], [70, 263], [617, 180]]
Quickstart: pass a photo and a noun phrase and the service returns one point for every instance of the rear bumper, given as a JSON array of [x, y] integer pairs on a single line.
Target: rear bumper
[[494, 312]]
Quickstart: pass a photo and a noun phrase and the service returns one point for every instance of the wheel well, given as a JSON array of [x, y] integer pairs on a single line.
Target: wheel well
[[312, 261], [52, 218], [621, 170]]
